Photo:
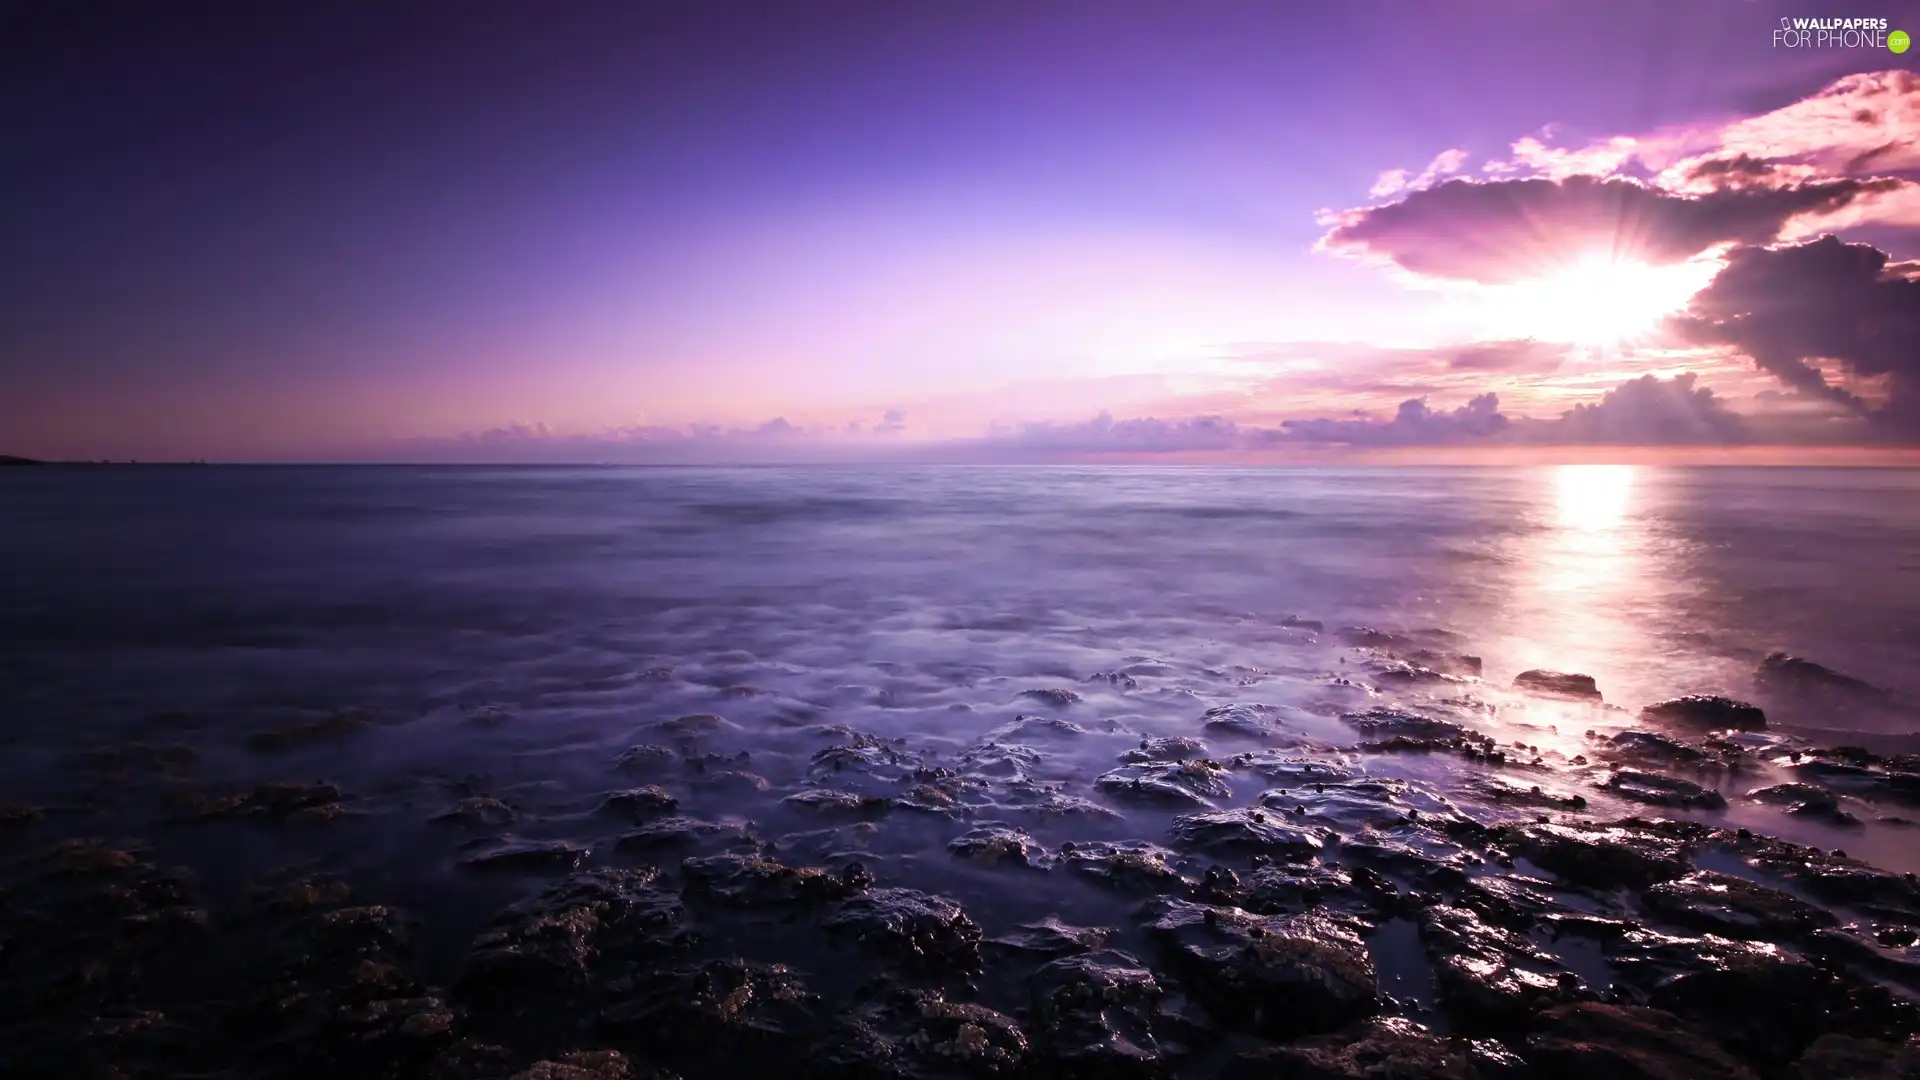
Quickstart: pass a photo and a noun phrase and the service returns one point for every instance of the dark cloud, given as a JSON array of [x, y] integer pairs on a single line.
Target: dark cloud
[[1499, 231], [1649, 411], [1789, 307], [1414, 425]]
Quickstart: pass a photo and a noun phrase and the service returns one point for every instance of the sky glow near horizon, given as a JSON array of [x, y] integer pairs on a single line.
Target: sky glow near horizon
[[985, 232]]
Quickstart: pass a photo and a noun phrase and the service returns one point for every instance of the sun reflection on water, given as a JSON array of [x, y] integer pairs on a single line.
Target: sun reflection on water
[[1582, 577]]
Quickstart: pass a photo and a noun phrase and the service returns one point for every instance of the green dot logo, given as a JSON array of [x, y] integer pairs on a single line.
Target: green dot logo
[[1898, 41]]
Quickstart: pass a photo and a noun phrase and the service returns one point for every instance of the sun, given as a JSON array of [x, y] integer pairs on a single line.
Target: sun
[[1597, 301]]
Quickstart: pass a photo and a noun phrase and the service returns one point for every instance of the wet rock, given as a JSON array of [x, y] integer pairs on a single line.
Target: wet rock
[[127, 759], [865, 755], [733, 1010], [1001, 759], [694, 726], [1249, 832], [755, 881], [1458, 664], [639, 804], [1602, 856], [1129, 865], [1763, 1002], [340, 726], [547, 950], [584, 1065], [1489, 977], [1279, 888], [940, 792], [478, 811], [1594, 1041], [1171, 748], [1734, 907], [1281, 977], [911, 927], [1784, 674], [1408, 673], [1388, 725], [1507, 791], [997, 844], [1657, 790], [1058, 806], [1104, 1014], [1056, 696], [1652, 748], [1863, 774], [731, 782], [1558, 684], [524, 857], [1244, 721], [1186, 783], [681, 832], [18, 816], [1844, 1057], [644, 757], [489, 716], [1051, 938], [920, 1035], [1357, 804], [1805, 800], [828, 802], [1380, 1049], [1290, 770], [1119, 680], [1835, 879], [286, 802], [1026, 727], [1310, 625], [1707, 713]]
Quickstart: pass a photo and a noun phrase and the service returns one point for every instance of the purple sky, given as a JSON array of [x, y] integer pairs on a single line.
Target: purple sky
[[983, 231]]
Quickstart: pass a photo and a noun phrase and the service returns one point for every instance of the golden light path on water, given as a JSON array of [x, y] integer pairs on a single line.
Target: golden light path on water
[[1583, 578]]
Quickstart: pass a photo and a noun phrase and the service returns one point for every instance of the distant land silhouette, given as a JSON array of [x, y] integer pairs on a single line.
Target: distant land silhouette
[[7, 459]]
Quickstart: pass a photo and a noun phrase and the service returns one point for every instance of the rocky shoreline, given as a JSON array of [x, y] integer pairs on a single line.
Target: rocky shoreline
[[1273, 893]]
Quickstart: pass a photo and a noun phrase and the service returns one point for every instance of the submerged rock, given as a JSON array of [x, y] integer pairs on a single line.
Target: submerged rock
[[1653, 748], [1104, 1014], [732, 1010], [1022, 727], [640, 804], [547, 950], [339, 726], [644, 757], [1379, 1049], [920, 1035], [1001, 760], [1560, 684], [996, 844], [693, 726], [1292, 770], [1507, 791], [1057, 696], [1594, 1041], [1277, 976], [1058, 806], [1358, 804], [1707, 712], [481, 810], [1171, 748], [288, 802], [1488, 976], [679, 832], [1595, 855], [1249, 832], [1660, 790], [1785, 674], [1050, 937], [912, 927], [755, 881], [1805, 800], [1131, 865], [1734, 907], [826, 801], [1186, 783], [1246, 721], [524, 857]]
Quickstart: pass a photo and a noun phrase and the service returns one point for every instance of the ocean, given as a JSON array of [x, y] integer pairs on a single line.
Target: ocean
[[417, 639]]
